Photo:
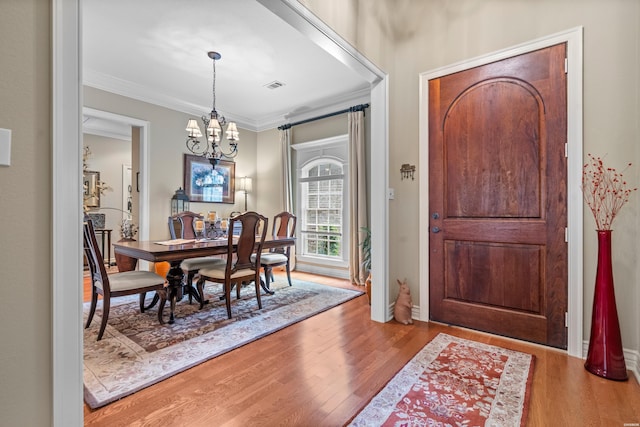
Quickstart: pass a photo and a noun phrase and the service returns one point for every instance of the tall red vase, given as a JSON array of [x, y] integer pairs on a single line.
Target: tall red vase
[[605, 357]]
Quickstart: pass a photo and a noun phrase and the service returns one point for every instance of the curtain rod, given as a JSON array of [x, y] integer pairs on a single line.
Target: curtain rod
[[360, 107]]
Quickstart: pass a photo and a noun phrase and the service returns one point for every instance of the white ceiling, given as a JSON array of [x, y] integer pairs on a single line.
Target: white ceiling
[[156, 51]]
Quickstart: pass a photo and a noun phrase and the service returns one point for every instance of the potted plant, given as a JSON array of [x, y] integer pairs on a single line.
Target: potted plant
[[366, 259]]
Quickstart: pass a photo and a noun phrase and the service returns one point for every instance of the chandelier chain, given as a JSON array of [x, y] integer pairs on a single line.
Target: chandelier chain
[[214, 86]]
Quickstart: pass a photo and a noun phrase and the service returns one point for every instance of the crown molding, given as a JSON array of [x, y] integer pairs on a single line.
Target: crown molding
[[142, 93]]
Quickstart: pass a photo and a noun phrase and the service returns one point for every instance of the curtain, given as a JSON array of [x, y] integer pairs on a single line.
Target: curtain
[[287, 191], [285, 143], [358, 196]]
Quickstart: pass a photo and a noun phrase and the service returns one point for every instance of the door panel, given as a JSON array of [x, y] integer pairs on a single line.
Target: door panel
[[498, 183]]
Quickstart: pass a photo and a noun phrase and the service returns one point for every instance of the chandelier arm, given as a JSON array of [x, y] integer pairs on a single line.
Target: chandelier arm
[[232, 153], [196, 147]]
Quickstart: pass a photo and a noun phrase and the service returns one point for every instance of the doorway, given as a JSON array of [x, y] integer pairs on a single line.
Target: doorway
[[139, 172], [572, 320], [66, 248]]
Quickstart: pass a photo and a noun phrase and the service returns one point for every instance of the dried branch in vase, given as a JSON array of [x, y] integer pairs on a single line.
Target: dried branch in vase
[[604, 191]]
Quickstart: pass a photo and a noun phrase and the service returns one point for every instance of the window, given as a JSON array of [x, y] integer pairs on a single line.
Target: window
[[322, 206], [322, 184]]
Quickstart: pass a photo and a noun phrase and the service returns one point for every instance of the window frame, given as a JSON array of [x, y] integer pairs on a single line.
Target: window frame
[[308, 154]]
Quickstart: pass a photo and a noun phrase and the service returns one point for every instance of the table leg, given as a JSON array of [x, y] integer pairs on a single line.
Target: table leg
[[174, 278], [193, 292]]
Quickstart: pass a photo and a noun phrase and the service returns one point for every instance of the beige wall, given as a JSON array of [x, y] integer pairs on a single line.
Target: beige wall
[[268, 184], [419, 36], [25, 206], [166, 149]]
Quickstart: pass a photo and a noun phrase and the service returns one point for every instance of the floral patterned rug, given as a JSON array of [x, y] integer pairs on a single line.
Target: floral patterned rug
[[136, 351], [455, 382]]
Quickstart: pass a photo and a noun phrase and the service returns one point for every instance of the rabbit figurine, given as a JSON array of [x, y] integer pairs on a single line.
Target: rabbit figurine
[[404, 304]]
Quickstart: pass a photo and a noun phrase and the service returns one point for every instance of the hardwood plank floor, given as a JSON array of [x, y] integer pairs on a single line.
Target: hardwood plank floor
[[323, 371]]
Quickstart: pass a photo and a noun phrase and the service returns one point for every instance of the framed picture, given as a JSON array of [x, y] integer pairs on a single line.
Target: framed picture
[[91, 193], [203, 183]]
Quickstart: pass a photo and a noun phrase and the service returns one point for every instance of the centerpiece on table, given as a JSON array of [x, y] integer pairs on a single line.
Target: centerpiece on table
[[605, 192]]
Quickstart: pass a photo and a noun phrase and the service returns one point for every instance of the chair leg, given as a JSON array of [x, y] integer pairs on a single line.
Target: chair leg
[[162, 295], [153, 302], [257, 283], [288, 273], [143, 295], [227, 293], [238, 287], [200, 287], [106, 303], [92, 310], [268, 273]]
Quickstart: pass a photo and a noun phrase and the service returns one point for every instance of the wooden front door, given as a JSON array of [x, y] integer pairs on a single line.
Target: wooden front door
[[498, 197]]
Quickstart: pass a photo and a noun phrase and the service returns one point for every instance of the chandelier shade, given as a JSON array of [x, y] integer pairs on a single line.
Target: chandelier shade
[[213, 125]]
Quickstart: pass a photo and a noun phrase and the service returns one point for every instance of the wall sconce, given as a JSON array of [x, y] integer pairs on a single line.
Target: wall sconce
[[245, 185], [407, 171]]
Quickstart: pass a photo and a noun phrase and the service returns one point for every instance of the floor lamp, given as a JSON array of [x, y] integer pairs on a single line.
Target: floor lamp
[[245, 186]]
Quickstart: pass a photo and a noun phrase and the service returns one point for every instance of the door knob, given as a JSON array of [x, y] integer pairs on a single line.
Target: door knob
[[435, 229], [435, 215]]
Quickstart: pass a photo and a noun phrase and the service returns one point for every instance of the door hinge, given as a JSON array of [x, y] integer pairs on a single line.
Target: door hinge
[[566, 319], [566, 65], [566, 150], [566, 235]]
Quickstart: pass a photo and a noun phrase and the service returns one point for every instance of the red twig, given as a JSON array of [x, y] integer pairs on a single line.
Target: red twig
[[604, 190]]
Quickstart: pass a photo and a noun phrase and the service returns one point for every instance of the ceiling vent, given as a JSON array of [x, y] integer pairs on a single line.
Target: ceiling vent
[[274, 85]]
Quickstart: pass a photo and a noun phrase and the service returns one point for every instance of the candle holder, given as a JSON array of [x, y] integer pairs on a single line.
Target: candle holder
[[217, 230], [198, 227]]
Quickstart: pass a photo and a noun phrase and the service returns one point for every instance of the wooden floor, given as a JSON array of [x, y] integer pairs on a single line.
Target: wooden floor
[[323, 371]]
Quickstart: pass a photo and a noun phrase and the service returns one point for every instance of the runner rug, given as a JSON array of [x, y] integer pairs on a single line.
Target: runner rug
[[136, 351], [455, 382]]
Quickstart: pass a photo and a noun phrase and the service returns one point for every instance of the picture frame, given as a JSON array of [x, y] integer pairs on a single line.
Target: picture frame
[[91, 193], [206, 184]]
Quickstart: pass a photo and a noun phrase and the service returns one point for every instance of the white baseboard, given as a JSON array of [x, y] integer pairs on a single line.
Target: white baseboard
[[415, 311], [323, 271]]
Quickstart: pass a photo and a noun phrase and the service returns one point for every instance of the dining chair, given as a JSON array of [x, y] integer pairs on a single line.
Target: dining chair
[[240, 266], [116, 284], [284, 225], [191, 266]]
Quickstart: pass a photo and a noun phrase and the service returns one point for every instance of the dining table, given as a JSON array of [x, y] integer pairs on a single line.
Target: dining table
[[176, 250]]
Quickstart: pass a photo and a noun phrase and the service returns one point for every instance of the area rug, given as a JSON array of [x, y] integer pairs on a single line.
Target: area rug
[[136, 351], [455, 382]]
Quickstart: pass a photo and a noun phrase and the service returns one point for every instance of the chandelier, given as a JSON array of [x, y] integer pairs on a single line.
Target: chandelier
[[213, 123]]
